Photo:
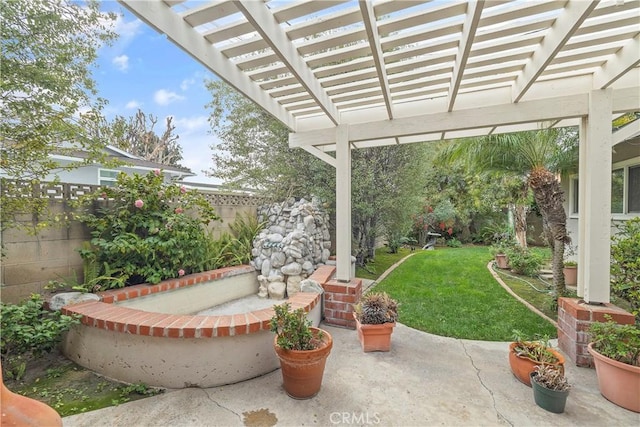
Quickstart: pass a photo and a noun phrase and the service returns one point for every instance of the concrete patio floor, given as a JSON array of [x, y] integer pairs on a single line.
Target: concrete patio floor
[[425, 380]]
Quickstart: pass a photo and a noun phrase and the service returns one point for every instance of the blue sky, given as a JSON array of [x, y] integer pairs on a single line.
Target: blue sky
[[144, 70]]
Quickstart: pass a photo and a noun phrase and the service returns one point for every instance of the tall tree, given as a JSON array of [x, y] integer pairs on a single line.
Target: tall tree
[[539, 157], [137, 135], [48, 49], [253, 152]]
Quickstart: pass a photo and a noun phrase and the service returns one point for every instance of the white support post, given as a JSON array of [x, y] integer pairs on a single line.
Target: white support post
[[343, 204], [595, 199], [582, 206]]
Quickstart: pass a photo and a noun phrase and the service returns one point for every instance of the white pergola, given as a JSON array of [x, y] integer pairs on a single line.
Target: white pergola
[[344, 75]]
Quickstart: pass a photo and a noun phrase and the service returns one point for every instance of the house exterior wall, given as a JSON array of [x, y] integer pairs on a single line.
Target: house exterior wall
[[625, 154]]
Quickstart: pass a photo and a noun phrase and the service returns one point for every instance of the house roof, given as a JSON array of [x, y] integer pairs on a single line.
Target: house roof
[[317, 65], [129, 159]]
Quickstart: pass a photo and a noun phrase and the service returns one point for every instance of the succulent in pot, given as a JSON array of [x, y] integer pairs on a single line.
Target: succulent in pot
[[550, 388], [525, 355], [376, 314]]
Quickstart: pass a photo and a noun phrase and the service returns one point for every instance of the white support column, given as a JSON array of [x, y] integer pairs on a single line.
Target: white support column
[[595, 199], [343, 204], [582, 206]]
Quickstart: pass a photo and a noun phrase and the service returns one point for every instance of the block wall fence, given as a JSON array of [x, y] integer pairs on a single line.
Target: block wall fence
[[30, 262]]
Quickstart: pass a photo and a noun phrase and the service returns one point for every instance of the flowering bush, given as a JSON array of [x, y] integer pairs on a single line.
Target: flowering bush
[[142, 233], [440, 219]]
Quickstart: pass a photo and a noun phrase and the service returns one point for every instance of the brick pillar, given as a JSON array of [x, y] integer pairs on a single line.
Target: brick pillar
[[339, 299], [574, 318]]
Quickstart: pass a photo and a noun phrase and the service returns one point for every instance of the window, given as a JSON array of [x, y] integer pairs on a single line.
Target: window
[[625, 190], [617, 191], [634, 189], [108, 177]]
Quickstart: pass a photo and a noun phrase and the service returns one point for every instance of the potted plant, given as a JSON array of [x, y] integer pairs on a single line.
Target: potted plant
[[550, 388], [499, 252], [570, 272], [524, 356], [302, 350], [376, 314], [616, 354]]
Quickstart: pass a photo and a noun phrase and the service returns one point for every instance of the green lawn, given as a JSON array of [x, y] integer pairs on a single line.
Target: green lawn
[[449, 292], [382, 262]]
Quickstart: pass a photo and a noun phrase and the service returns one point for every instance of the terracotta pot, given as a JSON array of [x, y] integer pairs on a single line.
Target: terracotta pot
[[502, 261], [375, 337], [302, 370], [522, 367], [617, 381], [570, 275], [21, 411]]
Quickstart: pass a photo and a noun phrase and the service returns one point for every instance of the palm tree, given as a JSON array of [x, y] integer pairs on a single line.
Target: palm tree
[[539, 157]]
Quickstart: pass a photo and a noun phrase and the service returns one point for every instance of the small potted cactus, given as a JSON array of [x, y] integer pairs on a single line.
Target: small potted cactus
[[376, 314]]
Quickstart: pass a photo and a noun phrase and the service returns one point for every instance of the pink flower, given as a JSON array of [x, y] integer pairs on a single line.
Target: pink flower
[[178, 210], [139, 203], [183, 189], [156, 172], [103, 195], [180, 273]]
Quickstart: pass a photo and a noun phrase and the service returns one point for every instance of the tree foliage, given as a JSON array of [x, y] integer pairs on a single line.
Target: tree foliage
[[254, 152], [48, 49], [137, 135]]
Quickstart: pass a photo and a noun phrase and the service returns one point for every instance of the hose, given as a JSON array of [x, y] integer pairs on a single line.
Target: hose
[[520, 278]]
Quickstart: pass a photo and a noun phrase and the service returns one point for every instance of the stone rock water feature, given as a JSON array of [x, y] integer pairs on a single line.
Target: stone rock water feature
[[294, 243]]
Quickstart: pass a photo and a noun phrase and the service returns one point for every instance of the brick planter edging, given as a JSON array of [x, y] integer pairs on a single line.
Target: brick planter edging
[[574, 318], [105, 314]]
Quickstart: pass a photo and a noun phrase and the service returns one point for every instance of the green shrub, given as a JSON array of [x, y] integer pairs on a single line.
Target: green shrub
[[454, 243], [292, 328], [523, 261], [617, 342], [29, 330], [144, 234], [625, 264]]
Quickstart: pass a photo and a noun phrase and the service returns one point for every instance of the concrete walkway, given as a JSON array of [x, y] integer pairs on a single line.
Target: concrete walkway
[[425, 380]]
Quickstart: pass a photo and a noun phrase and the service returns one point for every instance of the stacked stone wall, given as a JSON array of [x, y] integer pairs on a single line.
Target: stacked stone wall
[[295, 241]]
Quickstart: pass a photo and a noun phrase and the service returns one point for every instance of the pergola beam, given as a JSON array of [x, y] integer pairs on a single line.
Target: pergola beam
[[543, 110], [265, 24], [320, 154], [629, 131], [369, 19], [474, 11], [573, 15], [623, 60], [159, 16]]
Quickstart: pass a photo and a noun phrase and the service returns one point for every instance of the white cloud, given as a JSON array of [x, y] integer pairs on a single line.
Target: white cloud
[[126, 30], [132, 105], [187, 125], [165, 97], [121, 62], [196, 140], [186, 83]]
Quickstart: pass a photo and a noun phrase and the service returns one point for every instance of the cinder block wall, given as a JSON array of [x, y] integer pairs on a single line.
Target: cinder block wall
[[30, 262]]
